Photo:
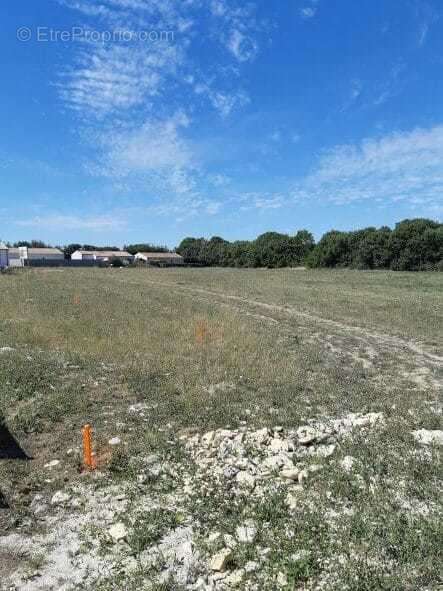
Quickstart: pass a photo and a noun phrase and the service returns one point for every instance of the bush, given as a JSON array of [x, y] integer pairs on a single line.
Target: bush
[[116, 262]]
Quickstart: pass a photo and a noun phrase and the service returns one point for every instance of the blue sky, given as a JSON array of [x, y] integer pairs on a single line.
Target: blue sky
[[151, 120]]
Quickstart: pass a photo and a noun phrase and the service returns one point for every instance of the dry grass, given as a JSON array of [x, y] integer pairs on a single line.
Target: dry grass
[[214, 348]]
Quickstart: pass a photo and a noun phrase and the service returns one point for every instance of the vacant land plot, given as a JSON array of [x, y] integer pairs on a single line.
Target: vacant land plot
[[254, 429]]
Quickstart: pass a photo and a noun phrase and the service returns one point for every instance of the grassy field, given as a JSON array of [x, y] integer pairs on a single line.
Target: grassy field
[[158, 358]]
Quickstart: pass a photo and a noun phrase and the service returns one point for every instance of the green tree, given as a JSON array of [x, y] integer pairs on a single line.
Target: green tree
[[69, 249], [144, 247], [332, 250], [412, 246], [192, 250]]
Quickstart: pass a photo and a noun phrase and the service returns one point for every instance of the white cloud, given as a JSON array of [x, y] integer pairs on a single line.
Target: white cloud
[[219, 180], [112, 77], [423, 33], [405, 167], [67, 222], [224, 102], [356, 89], [183, 209], [427, 16], [127, 94], [105, 80], [155, 146], [261, 201], [237, 28], [154, 158], [308, 12], [392, 86], [244, 48]]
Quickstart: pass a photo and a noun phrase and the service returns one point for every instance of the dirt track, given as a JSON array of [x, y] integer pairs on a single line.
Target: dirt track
[[380, 338]]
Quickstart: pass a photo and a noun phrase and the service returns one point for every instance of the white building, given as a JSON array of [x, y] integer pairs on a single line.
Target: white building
[[4, 258], [103, 256], [160, 258], [22, 255], [41, 254], [15, 257]]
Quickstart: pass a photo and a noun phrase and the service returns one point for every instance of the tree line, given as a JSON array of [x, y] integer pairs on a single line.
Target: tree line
[[413, 245], [268, 250]]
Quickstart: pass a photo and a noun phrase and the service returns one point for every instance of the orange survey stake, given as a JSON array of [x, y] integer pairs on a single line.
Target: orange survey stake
[[201, 332], [88, 458]]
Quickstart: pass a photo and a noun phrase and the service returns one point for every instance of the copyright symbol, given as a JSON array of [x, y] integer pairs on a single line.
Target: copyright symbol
[[24, 34]]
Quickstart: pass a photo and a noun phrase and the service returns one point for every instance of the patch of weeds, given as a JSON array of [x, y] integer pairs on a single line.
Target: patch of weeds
[[121, 465], [34, 563], [150, 527], [169, 585], [134, 582], [151, 385], [36, 392], [24, 375], [302, 568], [93, 533], [216, 508], [390, 538]]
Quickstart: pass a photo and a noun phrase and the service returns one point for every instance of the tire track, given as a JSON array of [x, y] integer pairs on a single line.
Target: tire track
[[358, 331]]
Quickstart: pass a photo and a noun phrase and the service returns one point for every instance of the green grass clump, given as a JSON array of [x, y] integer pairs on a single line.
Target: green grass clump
[[150, 526]]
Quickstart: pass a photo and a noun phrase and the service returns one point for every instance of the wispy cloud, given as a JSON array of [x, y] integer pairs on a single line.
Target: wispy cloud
[[68, 222], [155, 146], [405, 167], [105, 80], [356, 89], [427, 16], [241, 46], [391, 86], [237, 28], [423, 33], [308, 12], [275, 136], [261, 201], [219, 180], [113, 77], [180, 210], [127, 95], [224, 102]]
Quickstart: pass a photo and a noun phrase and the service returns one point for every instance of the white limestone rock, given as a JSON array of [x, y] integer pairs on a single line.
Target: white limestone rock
[[60, 498], [245, 480], [427, 437], [290, 474], [118, 532], [221, 560], [247, 532]]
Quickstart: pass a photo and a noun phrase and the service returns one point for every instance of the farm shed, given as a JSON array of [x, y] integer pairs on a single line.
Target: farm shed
[[101, 255], [10, 257], [160, 258], [41, 254], [15, 258]]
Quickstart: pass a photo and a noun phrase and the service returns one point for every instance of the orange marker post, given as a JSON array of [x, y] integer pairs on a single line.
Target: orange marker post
[[88, 458], [201, 332]]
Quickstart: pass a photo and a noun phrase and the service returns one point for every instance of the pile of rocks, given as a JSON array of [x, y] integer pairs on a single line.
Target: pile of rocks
[[248, 459], [90, 526]]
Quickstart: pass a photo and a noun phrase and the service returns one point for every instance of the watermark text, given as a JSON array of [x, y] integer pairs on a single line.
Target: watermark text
[[50, 35]]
